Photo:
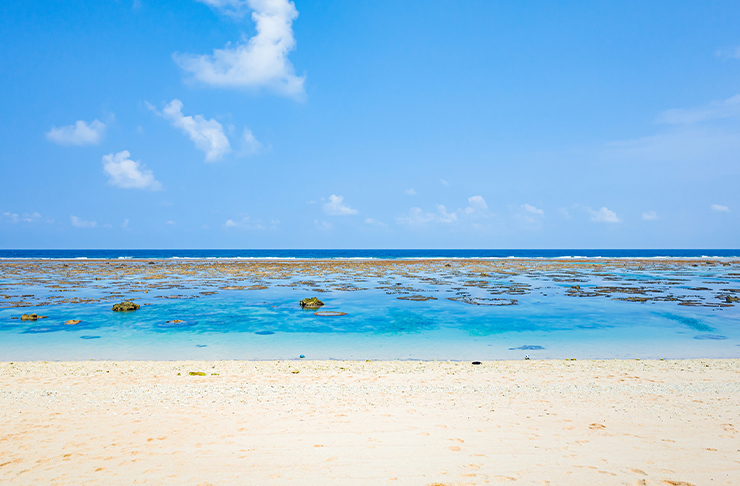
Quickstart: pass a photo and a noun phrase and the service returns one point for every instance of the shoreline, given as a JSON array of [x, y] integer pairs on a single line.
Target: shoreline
[[646, 422]]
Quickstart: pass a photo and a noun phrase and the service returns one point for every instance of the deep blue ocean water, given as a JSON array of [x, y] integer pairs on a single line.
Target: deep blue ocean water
[[382, 254], [549, 319]]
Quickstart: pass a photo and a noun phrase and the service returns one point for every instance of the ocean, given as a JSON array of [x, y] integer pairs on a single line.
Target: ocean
[[378, 304], [377, 254]]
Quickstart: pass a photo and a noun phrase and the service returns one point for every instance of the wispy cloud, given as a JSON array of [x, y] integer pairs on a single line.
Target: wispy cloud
[[25, 217], [684, 145], [720, 208], [249, 223], [232, 8], [650, 216], [336, 207], [323, 225], [251, 145], [257, 62], [81, 223], [417, 217], [128, 174], [208, 135], [531, 209], [374, 222], [81, 133], [410, 192], [444, 182], [712, 111], [604, 215], [729, 53]]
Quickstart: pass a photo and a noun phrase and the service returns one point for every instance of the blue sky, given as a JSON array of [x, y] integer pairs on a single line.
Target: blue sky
[[369, 124]]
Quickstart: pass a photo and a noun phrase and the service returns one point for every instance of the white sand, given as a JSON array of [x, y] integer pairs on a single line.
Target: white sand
[[346, 423]]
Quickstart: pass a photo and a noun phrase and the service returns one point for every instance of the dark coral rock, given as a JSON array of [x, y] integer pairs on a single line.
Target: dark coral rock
[[126, 306], [311, 303]]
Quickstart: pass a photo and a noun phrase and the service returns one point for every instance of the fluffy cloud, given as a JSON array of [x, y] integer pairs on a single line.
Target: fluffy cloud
[[604, 215], [418, 217], [713, 111], [81, 223], [261, 61], [720, 208], [128, 174], [650, 216], [81, 133], [208, 135], [476, 204], [336, 207], [531, 209]]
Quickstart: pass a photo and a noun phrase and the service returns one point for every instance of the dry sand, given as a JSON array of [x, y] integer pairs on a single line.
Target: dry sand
[[346, 423]]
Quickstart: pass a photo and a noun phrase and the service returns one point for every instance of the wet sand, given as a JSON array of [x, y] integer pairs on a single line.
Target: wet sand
[[400, 422]]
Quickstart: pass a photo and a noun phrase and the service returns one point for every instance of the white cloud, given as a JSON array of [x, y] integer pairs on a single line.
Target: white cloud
[[250, 224], [531, 209], [25, 217], [713, 111], [323, 225], [208, 135], [418, 217], [604, 215], [410, 192], [125, 223], [232, 8], [444, 182], [128, 174], [730, 53], [170, 222], [650, 216], [564, 213], [720, 208], [80, 133], [251, 144], [476, 204], [261, 61], [684, 145], [374, 222], [336, 207], [81, 223]]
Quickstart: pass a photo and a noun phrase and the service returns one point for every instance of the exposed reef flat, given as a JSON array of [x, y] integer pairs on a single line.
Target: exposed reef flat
[[628, 280], [609, 422]]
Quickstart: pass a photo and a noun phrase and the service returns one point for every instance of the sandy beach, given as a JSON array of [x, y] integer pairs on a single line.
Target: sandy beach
[[398, 422]]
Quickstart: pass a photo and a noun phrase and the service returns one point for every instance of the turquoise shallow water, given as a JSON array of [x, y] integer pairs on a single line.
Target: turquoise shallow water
[[550, 319]]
